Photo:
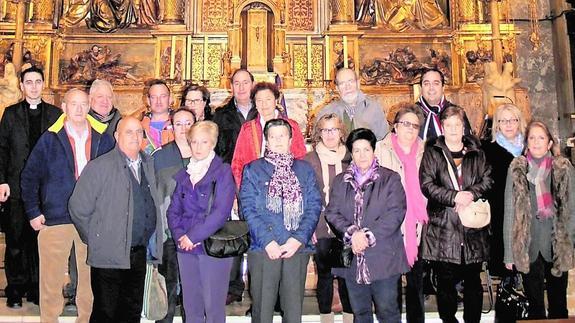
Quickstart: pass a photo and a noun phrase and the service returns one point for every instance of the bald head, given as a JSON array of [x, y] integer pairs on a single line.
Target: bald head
[[129, 136]]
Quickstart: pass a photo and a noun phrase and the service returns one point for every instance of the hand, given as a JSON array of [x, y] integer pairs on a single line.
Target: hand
[[186, 244], [273, 250], [359, 242], [509, 266], [313, 238], [289, 248], [38, 222], [4, 192], [463, 198]]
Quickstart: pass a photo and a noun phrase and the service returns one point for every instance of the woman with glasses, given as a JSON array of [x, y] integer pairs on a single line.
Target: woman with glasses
[[197, 99], [401, 151], [456, 252], [329, 158], [168, 160], [251, 143], [539, 222], [507, 142]]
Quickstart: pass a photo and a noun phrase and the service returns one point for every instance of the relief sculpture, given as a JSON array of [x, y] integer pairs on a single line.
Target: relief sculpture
[[400, 15]]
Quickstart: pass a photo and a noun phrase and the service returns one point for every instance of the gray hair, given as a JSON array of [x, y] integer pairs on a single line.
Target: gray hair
[[99, 84]]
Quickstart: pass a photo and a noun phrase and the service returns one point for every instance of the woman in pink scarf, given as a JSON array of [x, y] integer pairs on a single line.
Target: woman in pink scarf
[[401, 151]]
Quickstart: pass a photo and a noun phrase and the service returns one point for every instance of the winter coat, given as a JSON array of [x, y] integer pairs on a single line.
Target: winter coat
[[249, 148], [229, 121], [102, 209], [384, 209], [14, 142], [444, 235], [266, 226], [520, 223], [322, 230], [49, 176], [187, 211], [499, 159]]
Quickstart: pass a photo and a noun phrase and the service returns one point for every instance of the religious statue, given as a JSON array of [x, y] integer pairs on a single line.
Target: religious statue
[[498, 87], [9, 88], [400, 15], [227, 63], [77, 11]]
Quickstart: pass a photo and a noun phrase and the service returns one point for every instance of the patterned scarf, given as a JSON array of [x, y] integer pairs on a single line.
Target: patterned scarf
[[284, 189], [359, 183], [432, 115], [537, 175], [514, 147], [416, 211]]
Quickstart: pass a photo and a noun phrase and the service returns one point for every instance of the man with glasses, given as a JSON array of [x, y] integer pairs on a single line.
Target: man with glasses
[[20, 128], [158, 129], [432, 102], [355, 108]]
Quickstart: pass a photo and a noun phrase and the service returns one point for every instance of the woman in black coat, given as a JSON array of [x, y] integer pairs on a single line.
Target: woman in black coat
[[456, 252]]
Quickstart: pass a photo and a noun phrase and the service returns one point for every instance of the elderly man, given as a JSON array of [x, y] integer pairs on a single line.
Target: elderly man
[[21, 126], [114, 208], [158, 128], [102, 105], [230, 119], [47, 182], [432, 102], [355, 109]]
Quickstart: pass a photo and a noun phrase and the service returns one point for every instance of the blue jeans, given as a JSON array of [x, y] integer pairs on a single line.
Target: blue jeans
[[382, 293]]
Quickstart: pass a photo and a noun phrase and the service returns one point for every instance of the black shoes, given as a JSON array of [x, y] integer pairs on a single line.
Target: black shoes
[[14, 302], [232, 299]]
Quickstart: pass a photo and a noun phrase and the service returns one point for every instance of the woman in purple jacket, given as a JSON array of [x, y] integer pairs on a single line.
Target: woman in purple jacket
[[192, 219]]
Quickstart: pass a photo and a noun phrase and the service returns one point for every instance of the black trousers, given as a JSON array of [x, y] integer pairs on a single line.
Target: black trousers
[[414, 298], [119, 293], [237, 285], [324, 290], [21, 256], [169, 269], [534, 284], [448, 276]]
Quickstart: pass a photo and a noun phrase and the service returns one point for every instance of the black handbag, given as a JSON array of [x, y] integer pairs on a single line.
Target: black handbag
[[232, 240], [339, 255], [510, 305]]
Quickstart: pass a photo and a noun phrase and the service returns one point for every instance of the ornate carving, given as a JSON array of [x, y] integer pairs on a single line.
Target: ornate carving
[[300, 65], [300, 15], [402, 67], [43, 10], [9, 89], [165, 66], [497, 83], [214, 66], [342, 11], [215, 16], [400, 15], [173, 12]]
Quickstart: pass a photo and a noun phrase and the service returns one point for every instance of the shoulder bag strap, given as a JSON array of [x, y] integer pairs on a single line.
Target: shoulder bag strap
[[211, 198], [451, 172]]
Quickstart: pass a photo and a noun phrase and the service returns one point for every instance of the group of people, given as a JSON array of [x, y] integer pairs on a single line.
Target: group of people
[[121, 193]]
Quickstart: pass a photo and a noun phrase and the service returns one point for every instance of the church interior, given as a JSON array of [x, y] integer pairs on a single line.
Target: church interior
[[491, 52]]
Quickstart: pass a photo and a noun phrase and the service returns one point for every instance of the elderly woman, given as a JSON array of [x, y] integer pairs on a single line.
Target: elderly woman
[[329, 158], [251, 143], [456, 252], [197, 99], [367, 206], [507, 143], [281, 203], [168, 160], [192, 218], [539, 222], [401, 151]]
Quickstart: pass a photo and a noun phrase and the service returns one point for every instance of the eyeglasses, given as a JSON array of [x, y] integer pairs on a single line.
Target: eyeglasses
[[183, 124], [329, 131], [194, 101], [408, 124], [508, 121]]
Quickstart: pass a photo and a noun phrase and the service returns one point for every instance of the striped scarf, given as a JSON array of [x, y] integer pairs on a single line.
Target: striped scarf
[[537, 175]]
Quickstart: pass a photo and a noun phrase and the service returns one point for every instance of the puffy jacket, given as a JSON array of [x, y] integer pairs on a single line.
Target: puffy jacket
[[444, 235]]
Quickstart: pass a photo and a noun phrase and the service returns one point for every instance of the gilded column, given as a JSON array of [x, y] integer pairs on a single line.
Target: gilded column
[[43, 10], [468, 11], [342, 11], [173, 12]]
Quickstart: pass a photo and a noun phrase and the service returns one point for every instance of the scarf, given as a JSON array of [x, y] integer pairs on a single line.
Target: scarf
[[432, 112], [329, 157], [104, 119], [514, 147], [359, 184], [197, 169], [537, 175], [284, 189], [416, 206]]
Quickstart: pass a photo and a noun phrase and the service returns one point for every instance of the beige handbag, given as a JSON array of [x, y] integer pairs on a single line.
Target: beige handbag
[[478, 213]]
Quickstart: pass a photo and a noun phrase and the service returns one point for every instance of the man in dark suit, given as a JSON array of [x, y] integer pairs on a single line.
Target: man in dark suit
[[20, 129], [229, 119]]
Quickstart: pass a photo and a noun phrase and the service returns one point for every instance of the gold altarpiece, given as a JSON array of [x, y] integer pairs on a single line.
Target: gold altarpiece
[[301, 41]]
